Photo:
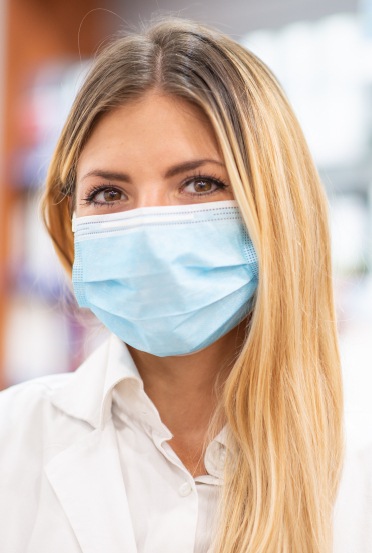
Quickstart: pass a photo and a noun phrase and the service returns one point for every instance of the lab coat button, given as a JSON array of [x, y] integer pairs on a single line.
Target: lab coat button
[[185, 489]]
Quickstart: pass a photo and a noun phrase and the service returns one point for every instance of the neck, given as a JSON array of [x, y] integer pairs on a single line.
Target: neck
[[186, 390]]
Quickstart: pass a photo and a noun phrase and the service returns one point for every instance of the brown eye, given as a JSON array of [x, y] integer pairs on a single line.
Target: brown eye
[[105, 196], [202, 186], [111, 195]]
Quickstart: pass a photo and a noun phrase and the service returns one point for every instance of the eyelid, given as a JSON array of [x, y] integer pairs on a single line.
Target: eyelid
[[210, 177], [93, 191], [102, 186]]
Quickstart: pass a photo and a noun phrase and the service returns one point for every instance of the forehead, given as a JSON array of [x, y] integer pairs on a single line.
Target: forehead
[[156, 126]]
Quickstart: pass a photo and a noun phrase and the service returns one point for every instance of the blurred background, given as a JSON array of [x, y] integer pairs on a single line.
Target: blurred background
[[321, 51]]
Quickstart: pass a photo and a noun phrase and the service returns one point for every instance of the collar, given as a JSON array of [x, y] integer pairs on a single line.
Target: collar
[[131, 402], [88, 392], [109, 376]]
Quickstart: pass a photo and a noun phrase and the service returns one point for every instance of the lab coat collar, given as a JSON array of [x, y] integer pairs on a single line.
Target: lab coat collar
[[86, 476], [87, 480], [131, 404], [88, 393]]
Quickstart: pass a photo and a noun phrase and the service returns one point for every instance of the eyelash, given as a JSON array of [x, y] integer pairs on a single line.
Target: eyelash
[[89, 199], [210, 178]]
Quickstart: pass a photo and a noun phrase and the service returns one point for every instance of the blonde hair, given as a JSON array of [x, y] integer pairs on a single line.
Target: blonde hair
[[283, 397]]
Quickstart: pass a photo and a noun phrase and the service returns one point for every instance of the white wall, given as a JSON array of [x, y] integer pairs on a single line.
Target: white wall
[[236, 17]]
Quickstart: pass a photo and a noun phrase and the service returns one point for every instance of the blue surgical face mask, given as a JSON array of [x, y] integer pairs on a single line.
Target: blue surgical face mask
[[167, 280]]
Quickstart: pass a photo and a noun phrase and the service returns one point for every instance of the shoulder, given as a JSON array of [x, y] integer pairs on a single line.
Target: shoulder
[[353, 509], [48, 408], [44, 416], [358, 445], [31, 427], [358, 437], [40, 406], [24, 401], [31, 430]]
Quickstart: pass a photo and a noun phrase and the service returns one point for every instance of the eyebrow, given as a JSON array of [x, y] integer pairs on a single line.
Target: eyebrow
[[171, 172], [189, 166]]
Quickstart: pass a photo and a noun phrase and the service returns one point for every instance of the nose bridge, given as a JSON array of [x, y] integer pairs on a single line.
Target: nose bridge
[[152, 193]]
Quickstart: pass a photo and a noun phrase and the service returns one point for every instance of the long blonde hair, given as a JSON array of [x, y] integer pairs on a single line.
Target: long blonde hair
[[283, 397]]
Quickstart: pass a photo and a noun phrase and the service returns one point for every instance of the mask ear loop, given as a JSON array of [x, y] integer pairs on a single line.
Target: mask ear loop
[[73, 221]]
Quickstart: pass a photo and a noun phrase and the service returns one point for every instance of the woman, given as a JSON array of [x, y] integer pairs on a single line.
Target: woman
[[201, 242]]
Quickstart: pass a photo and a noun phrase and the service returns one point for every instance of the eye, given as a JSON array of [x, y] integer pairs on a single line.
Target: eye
[[103, 195], [109, 195], [203, 185]]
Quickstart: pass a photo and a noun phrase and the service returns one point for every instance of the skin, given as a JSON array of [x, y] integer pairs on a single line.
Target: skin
[[152, 152]]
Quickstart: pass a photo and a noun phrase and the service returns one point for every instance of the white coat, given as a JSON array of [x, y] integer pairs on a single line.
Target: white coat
[[61, 486]]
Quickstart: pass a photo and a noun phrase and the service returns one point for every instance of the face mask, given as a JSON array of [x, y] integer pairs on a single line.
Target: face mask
[[167, 280]]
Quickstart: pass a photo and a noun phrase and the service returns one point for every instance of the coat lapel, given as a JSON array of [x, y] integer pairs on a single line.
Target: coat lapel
[[87, 480]]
